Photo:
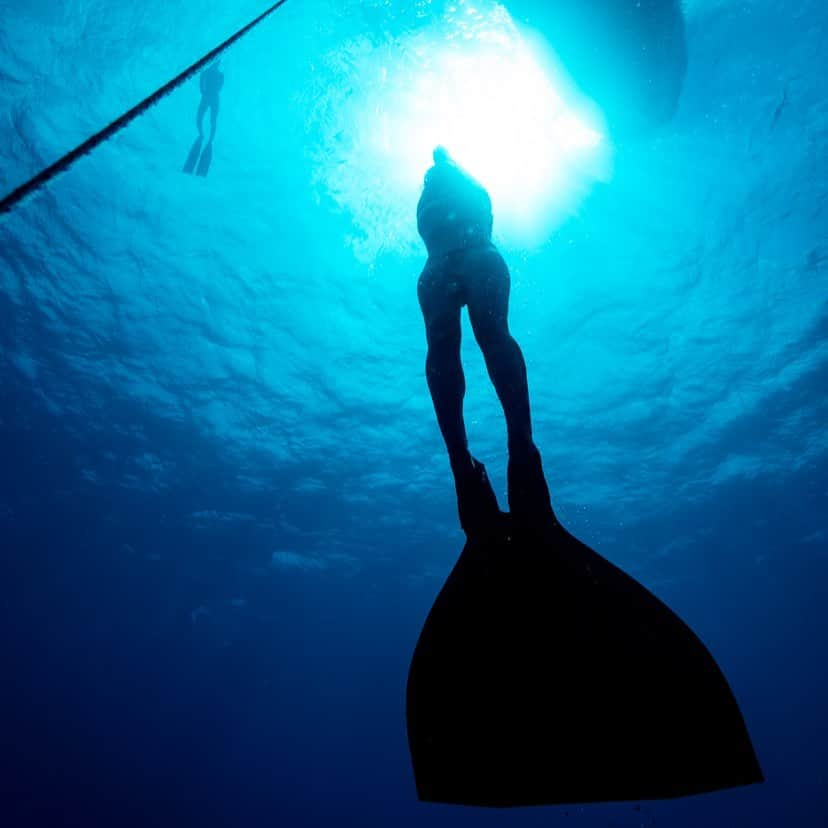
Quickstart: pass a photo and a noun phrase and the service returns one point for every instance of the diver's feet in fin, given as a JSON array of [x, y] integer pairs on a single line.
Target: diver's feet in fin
[[206, 160], [529, 499], [476, 501], [192, 158]]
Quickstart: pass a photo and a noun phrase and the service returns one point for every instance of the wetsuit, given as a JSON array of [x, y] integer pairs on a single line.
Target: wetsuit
[[454, 218]]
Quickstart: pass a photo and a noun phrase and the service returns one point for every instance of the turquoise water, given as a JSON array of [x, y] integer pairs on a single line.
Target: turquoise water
[[225, 498]]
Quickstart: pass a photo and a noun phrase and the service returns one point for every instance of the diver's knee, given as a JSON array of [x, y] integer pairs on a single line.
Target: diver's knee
[[493, 337], [443, 340], [442, 359], [439, 359]]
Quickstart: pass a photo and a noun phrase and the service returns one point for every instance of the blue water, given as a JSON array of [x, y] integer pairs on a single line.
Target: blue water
[[225, 508]]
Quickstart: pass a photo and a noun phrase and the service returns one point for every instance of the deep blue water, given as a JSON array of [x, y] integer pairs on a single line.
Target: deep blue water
[[224, 504]]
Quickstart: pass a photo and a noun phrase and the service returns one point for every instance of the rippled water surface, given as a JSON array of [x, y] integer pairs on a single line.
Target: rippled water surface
[[224, 503]]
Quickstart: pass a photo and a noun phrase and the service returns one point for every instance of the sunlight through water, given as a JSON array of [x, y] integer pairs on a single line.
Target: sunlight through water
[[493, 98]]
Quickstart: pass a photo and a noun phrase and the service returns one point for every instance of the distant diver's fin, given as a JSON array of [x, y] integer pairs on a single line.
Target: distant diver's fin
[[546, 675], [192, 158], [206, 160]]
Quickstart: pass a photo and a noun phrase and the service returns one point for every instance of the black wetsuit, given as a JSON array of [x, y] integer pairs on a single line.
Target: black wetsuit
[[454, 218]]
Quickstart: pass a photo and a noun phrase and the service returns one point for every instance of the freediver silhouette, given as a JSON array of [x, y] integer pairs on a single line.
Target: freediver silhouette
[[543, 674], [211, 81], [454, 219]]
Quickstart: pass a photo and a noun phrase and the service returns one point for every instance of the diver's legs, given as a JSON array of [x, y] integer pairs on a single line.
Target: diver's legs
[[440, 302], [447, 384], [487, 290]]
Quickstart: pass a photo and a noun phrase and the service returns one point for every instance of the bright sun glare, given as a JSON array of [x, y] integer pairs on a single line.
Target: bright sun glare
[[501, 108], [502, 118]]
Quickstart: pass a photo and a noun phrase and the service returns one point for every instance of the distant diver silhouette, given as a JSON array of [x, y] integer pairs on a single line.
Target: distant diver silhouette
[[543, 674], [211, 81]]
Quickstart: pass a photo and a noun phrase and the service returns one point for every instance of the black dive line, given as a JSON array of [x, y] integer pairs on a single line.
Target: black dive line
[[61, 165]]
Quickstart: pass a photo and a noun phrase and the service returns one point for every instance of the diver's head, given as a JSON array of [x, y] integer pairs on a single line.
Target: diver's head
[[441, 155], [443, 164]]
